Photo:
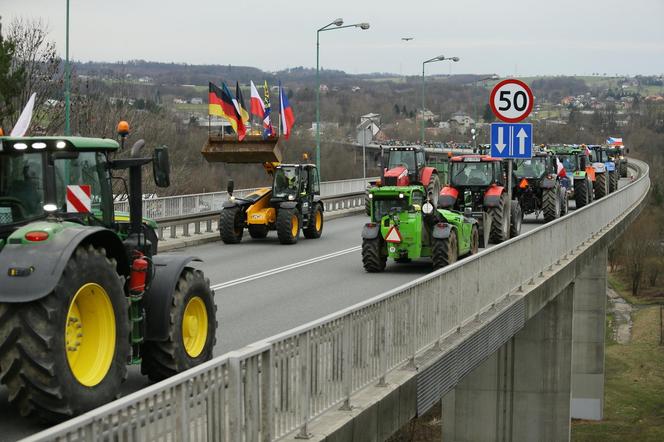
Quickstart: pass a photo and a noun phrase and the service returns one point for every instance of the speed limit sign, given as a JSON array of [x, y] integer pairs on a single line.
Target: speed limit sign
[[511, 100]]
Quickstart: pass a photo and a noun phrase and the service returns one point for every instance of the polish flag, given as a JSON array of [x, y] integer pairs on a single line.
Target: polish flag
[[257, 106]]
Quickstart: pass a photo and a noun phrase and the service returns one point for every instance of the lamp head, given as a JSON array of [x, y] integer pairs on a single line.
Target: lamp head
[[338, 22], [364, 26], [455, 59]]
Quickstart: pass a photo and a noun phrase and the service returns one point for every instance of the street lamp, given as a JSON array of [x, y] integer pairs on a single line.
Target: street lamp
[[338, 23], [431, 60], [67, 76]]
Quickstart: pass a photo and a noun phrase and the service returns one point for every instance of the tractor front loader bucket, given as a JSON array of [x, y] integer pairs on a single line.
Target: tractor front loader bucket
[[253, 149]]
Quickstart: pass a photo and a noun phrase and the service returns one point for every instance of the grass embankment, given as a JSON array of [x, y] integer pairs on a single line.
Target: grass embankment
[[634, 383]]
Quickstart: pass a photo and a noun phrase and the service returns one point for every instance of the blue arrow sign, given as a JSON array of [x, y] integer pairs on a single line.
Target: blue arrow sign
[[511, 140]]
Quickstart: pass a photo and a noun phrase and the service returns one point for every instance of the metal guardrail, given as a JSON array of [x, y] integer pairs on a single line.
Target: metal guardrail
[[275, 387], [182, 205]]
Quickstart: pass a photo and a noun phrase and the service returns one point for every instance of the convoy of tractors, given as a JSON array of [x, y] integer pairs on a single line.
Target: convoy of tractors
[[83, 292]]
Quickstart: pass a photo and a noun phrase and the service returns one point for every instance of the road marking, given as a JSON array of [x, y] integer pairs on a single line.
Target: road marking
[[295, 265]]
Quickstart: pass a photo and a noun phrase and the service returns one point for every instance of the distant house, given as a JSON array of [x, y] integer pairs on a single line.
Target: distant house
[[179, 101], [356, 89], [427, 115], [324, 125], [461, 122], [323, 88], [371, 116], [196, 101]]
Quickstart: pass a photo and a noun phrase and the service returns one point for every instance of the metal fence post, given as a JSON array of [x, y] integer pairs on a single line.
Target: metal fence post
[[183, 409], [347, 367], [235, 403], [383, 346], [413, 329], [305, 386], [267, 397]]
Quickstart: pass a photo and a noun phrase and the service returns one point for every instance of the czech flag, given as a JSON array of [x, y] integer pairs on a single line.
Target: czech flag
[[222, 104], [287, 117], [613, 141]]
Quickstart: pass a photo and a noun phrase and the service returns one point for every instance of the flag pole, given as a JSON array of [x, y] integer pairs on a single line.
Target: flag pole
[[280, 104]]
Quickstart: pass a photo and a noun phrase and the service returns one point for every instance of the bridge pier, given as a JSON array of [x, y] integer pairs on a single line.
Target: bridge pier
[[522, 392], [588, 340]]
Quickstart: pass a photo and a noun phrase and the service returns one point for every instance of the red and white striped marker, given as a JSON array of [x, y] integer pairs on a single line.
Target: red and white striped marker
[[78, 199]]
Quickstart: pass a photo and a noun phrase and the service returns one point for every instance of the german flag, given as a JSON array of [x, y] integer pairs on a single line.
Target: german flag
[[240, 103], [220, 103]]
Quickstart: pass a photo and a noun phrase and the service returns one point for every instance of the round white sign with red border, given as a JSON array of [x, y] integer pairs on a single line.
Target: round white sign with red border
[[511, 100]]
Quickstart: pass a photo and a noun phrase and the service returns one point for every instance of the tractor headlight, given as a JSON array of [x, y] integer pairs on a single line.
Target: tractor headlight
[[401, 195], [427, 208], [50, 208], [291, 197], [232, 198], [371, 196]]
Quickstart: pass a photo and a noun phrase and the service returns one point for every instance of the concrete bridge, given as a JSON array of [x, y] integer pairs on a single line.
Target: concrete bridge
[[511, 340]]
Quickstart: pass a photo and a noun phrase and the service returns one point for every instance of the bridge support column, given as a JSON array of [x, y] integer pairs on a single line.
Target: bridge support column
[[588, 340], [522, 392]]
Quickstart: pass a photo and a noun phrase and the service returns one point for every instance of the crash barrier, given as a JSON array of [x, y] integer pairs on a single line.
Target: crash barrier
[[275, 387], [207, 222], [196, 204]]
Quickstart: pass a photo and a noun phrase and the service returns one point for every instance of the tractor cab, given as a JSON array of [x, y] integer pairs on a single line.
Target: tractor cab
[[470, 177], [404, 166], [292, 182], [532, 170]]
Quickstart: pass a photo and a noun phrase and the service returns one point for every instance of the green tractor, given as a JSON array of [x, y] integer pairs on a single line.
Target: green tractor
[[579, 175], [405, 225], [82, 295]]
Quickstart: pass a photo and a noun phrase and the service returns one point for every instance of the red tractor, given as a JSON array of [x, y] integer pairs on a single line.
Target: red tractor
[[478, 188], [406, 166]]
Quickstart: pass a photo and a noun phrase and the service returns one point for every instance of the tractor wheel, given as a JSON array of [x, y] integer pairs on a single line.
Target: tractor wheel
[[257, 231], [613, 181], [288, 225], [231, 225], [474, 240], [581, 193], [66, 353], [315, 227], [433, 189], [374, 258], [601, 185], [444, 251], [516, 218], [551, 204], [623, 169], [192, 329], [564, 203], [499, 227]]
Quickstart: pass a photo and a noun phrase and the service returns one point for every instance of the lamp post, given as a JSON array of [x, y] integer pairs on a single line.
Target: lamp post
[[67, 76], [431, 60], [338, 23]]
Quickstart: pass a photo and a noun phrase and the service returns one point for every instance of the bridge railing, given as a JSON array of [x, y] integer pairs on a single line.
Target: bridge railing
[[197, 204], [275, 387]]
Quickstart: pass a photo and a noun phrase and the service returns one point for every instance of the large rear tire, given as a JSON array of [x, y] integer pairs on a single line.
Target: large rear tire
[[474, 240], [516, 218], [444, 251], [192, 329], [433, 189], [288, 225], [613, 181], [581, 194], [551, 204], [316, 221], [231, 225], [623, 169], [66, 353], [374, 258], [499, 228], [601, 187]]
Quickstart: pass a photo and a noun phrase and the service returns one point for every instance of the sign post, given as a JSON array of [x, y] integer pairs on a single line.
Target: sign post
[[511, 101]]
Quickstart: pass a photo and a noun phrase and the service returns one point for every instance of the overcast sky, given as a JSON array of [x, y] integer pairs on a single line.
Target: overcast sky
[[507, 37]]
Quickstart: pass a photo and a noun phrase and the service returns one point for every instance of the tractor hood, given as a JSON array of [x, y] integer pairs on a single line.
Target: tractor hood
[[397, 176]]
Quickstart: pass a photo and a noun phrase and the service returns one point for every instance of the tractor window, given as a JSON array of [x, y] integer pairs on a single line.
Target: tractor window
[[418, 198], [404, 158], [471, 174], [420, 160], [304, 181], [315, 181], [86, 170], [21, 187], [531, 168], [569, 162], [285, 182], [383, 207]]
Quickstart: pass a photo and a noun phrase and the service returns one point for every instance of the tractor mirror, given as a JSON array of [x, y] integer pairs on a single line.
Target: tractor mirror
[[230, 187], [161, 167]]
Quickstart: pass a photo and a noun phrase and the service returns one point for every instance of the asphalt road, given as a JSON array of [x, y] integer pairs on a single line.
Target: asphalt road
[[264, 288]]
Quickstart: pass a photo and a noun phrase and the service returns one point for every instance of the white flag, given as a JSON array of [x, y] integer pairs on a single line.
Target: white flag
[[23, 123]]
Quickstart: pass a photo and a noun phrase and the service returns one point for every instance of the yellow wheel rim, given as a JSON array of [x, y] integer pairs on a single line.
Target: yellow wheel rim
[[294, 225], [90, 334], [319, 221], [194, 327]]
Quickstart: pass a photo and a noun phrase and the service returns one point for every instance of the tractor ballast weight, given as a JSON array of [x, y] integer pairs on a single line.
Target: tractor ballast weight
[[252, 149]]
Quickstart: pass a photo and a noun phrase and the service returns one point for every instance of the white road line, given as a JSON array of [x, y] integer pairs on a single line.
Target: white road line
[[284, 268]]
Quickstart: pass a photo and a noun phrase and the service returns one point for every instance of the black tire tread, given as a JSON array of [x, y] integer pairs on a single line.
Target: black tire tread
[[284, 226], [581, 196], [373, 258], [600, 185], [310, 231], [497, 233], [444, 251], [164, 359], [28, 336], [227, 221], [549, 198]]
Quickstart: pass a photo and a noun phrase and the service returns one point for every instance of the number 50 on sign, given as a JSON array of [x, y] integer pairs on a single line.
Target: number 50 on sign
[[511, 100]]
